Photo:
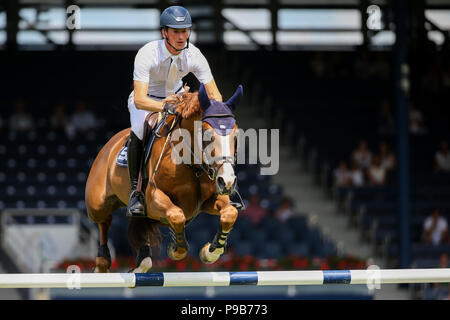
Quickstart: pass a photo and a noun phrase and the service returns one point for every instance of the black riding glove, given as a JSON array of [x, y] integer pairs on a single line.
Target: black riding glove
[[170, 109]]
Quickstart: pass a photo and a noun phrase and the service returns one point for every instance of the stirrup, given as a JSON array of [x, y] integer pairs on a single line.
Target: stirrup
[[140, 199]]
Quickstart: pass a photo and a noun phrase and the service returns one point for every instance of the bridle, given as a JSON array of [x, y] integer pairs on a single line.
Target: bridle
[[203, 167], [209, 169]]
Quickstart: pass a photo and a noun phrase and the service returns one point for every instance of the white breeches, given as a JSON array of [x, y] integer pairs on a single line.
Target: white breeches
[[137, 117]]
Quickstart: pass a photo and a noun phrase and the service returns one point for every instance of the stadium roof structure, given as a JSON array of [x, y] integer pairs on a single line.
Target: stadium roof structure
[[214, 22], [329, 4]]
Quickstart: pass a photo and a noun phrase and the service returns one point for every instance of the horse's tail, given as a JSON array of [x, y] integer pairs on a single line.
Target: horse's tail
[[144, 232]]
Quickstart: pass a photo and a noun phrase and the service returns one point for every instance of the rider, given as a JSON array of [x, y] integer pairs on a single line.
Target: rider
[[159, 67]]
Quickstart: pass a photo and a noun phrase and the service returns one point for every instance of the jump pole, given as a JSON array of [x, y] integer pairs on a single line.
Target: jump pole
[[223, 279]]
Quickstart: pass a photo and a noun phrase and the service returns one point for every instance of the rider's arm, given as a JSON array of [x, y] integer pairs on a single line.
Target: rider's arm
[[202, 71], [213, 91], [141, 76], [142, 101]]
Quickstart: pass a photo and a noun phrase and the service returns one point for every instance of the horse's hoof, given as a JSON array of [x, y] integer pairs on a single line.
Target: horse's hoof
[[210, 257], [98, 270], [102, 265], [144, 266], [176, 253]]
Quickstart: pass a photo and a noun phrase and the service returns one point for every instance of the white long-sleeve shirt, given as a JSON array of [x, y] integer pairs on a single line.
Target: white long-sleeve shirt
[[152, 65]]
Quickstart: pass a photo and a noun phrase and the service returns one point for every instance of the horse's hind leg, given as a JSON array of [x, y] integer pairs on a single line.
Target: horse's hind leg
[[143, 234], [100, 211], [103, 259]]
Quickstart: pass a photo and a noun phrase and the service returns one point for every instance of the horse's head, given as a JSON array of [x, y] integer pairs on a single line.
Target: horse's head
[[220, 140]]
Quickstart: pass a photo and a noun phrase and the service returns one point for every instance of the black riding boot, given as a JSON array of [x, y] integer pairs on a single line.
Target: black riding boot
[[134, 155]]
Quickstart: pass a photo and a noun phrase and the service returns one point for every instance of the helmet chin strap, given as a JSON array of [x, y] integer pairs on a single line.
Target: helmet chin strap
[[187, 43]]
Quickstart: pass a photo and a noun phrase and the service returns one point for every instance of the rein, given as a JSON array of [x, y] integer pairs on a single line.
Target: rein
[[206, 168], [169, 133]]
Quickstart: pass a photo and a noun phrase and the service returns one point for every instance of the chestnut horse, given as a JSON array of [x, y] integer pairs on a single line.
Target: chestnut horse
[[178, 191]]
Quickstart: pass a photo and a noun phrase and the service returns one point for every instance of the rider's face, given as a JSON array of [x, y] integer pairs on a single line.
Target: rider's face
[[177, 38]]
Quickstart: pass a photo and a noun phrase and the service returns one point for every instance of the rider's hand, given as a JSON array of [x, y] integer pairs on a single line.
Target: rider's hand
[[172, 99], [169, 108]]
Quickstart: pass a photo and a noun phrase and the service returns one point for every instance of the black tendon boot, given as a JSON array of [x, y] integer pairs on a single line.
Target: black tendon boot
[[136, 203]]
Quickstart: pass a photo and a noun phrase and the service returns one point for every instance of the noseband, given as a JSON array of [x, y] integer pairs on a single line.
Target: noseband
[[210, 170], [207, 168]]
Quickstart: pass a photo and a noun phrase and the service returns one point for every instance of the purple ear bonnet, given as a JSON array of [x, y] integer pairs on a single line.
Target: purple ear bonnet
[[222, 125], [218, 114]]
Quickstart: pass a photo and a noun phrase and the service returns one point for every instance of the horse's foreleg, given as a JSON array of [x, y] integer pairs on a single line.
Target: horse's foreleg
[[178, 248], [211, 252], [160, 206]]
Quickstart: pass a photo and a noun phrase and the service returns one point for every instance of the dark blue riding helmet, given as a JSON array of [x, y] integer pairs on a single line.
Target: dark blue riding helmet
[[175, 17]]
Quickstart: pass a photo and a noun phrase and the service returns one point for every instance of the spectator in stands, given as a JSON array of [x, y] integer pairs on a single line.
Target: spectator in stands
[[362, 156], [254, 210], [82, 119], [439, 291], [21, 121], [286, 210], [435, 228], [357, 175], [376, 172], [386, 120], [416, 125], [60, 122], [442, 158], [342, 176], [387, 158]]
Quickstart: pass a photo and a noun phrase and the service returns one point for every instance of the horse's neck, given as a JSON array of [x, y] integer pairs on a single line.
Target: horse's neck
[[188, 124]]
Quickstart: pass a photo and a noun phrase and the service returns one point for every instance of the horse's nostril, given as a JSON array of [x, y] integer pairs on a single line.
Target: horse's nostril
[[221, 182]]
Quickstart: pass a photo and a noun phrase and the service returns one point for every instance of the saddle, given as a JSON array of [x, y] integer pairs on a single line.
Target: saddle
[[154, 121], [151, 127]]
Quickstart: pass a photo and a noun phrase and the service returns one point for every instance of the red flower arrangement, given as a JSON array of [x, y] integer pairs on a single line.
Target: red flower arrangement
[[228, 262]]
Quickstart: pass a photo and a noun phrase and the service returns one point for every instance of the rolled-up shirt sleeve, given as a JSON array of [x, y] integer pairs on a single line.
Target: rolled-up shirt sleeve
[[201, 68], [142, 64]]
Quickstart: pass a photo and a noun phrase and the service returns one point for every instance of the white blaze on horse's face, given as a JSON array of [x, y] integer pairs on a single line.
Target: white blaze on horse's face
[[226, 171], [219, 152], [218, 116]]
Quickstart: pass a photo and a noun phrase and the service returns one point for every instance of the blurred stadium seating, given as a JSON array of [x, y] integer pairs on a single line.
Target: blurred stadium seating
[[325, 123]]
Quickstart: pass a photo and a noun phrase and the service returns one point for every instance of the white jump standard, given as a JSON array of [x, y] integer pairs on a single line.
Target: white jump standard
[[206, 279]]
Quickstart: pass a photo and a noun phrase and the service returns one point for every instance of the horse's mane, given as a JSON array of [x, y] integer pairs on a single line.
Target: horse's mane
[[188, 105]]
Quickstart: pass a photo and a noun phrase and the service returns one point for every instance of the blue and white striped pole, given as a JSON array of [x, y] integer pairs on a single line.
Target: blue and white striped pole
[[200, 279]]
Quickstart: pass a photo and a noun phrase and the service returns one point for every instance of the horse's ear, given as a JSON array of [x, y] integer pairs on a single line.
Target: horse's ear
[[236, 98], [203, 97]]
